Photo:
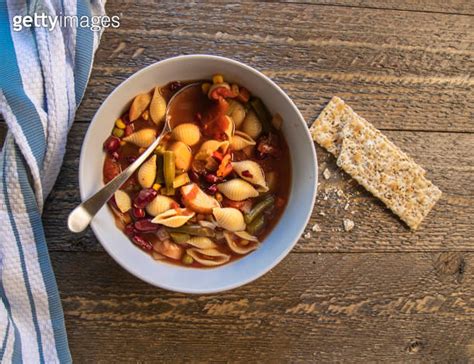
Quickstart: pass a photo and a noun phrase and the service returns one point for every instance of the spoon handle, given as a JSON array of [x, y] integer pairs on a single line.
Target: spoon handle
[[82, 215]]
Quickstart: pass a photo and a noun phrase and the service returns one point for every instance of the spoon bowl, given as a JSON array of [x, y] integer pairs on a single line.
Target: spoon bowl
[[82, 215]]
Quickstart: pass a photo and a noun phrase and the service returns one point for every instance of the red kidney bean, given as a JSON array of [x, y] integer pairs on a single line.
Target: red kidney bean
[[212, 189], [129, 229], [145, 196], [115, 156], [142, 243], [112, 144], [194, 176], [131, 159], [138, 213], [146, 226], [212, 178]]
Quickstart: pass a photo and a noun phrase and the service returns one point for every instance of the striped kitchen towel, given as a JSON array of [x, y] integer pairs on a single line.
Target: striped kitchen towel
[[43, 74]]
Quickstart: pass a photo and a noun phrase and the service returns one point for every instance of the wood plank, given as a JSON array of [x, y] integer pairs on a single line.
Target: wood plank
[[414, 307], [434, 6], [448, 227], [401, 70]]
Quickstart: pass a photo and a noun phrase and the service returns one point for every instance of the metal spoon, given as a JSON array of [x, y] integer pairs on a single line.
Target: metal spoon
[[82, 215]]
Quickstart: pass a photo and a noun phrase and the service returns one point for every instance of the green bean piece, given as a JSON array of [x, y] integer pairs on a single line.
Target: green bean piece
[[160, 179], [180, 238], [263, 114], [256, 225], [259, 209], [195, 230], [168, 191], [187, 259], [169, 168]]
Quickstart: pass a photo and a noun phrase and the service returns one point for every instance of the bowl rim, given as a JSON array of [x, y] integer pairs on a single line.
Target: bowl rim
[[314, 164]]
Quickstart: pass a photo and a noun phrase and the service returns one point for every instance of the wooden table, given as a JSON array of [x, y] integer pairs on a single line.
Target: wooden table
[[377, 293]]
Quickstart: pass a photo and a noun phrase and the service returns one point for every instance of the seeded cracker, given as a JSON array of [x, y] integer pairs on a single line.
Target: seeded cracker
[[375, 162], [327, 128]]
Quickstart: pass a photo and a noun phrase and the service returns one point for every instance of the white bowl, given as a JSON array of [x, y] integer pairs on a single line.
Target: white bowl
[[282, 238]]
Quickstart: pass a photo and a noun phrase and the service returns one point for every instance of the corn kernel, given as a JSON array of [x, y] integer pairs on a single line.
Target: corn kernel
[[205, 87], [141, 150], [146, 115], [118, 132], [123, 142], [217, 78], [156, 186], [187, 259], [219, 197], [120, 124]]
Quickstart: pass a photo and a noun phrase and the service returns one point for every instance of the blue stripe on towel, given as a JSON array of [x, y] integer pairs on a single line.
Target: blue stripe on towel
[[55, 309], [12, 87], [17, 349], [84, 52], [5, 340], [24, 270]]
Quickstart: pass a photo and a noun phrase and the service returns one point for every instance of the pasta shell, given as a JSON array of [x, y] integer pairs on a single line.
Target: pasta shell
[[229, 218], [139, 105], [230, 128], [183, 155], [187, 133], [160, 204], [147, 172], [251, 172], [157, 107], [237, 189], [209, 147], [237, 112], [208, 257], [246, 236], [123, 201], [201, 242], [197, 200], [241, 245], [174, 217], [142, 138], [252, 125], [240, 140]]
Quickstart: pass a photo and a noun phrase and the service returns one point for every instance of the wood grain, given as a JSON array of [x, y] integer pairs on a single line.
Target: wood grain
[[311, 308], [449, 226], [433, 6], [396, 77]]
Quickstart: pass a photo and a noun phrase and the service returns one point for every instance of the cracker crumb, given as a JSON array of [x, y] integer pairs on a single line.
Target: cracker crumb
[[348, 224], [327, 174], [316, 228], [346, 206], [322, 213], [307, 235]]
